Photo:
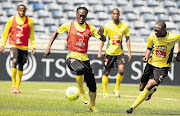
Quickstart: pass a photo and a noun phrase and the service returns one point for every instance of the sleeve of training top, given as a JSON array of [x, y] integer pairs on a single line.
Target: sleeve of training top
[[65, 27], [150, 41], [105, 30], [127, 31], [32, 39], [94, 31], [178, 38], [6, 31]]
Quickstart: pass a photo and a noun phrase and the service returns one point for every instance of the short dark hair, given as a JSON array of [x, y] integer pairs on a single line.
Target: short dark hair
[[84, 8], [163, 24], [21, 5], [115, 9]]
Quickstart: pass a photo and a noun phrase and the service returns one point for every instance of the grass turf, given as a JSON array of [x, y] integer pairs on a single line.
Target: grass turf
[[48, 99]]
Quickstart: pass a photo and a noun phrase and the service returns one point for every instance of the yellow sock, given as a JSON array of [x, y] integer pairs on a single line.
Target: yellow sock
[[118, 81], [19, 76], [92, 96], [142, 96], [104, 83], [152, 91], [14, 72], [79, 80]]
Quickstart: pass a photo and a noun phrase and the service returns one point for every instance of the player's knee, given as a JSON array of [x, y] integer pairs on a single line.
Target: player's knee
[[121, 72], [141, 86], [92, 87]]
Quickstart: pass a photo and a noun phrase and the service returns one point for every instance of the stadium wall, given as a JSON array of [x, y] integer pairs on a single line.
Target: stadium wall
[[54, 68]]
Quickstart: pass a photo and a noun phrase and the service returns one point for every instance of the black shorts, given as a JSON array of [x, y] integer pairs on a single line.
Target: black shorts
[[18, 54], [156, 73], [110, 60]]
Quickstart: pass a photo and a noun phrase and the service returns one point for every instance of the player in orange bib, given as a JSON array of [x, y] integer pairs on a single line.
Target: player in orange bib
[[77, 59], [20, 29], [114, 52], [161, 44]]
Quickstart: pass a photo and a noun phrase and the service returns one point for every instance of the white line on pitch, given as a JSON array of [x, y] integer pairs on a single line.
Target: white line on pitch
[[110, 94]]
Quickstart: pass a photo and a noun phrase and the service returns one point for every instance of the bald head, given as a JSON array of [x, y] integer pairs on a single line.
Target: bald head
[[161, 25]]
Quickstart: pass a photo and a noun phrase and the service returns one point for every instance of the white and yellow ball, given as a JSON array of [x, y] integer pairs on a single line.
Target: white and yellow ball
[[72, 93]]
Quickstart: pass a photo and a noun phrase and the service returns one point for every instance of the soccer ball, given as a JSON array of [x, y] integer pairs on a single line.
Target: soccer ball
[[72, 93]]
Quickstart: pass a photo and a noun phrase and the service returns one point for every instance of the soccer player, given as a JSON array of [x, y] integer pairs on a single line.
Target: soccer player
[[114, 51], [20, 29], [77, 59], [161, 44]]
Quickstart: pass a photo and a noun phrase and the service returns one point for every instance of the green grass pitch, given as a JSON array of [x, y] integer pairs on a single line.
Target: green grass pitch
[[48, 99]]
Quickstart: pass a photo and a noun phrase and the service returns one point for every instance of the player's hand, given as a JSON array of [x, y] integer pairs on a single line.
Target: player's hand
[[101, 31], [145, 59], [129, 57], [2, 50], [99, 56], [178, 57], [47, 53], [33, 51]]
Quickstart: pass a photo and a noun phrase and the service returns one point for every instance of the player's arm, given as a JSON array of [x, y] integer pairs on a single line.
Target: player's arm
[[53, 37], [5, 34], [129, 47], [101, 33], [32, 39], [100, 50], [147, 54], [178, 54]]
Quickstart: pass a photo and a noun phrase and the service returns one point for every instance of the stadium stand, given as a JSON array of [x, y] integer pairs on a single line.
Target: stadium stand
[[140, 15]]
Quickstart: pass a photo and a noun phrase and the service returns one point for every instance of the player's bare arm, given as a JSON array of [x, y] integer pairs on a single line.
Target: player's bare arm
[[53, 37], [100, 50], [33, 50], [2, 49], [148, 52], [101, 33], [129, 48]]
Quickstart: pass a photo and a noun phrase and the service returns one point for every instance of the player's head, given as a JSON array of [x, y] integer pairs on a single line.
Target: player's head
[[21, 10], [115, 14], [81, 14], [160, 29]]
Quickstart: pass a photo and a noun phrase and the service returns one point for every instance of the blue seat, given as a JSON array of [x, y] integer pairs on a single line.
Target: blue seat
[[42, 14], [71, 15], [148, 17], [137, 3], [52, 28], [1, 12], [131, 17], [57, 14], [36, 21], [61, 1], [6, 5], [38, 6], [127, 9], [168, 3], [172, 10], [11, 12], [163, 17], [92, 2], [110, 8], [78, 2], [32, 1], [3, 20], [121, 2], [159, 10], [48, 21], [94, 22], [98, 8], [106, 2], [176, 18], [102, 16], [138, 25], [170, 26], [62, 20], [90, 16], [152, 3], [39, 28], [144, 10], [151, 25], [47, 1], [67, 7], [16, 1], [53, 6], [29, 13]]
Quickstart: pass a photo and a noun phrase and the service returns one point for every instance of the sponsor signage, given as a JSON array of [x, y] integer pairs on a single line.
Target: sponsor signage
[[54, 68]]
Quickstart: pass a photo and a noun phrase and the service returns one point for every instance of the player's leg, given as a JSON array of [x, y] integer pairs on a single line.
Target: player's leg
[[91, 84], [21, 61], [105, 82], [14, 57], [76, 66], [120, 63], [108, 64]]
